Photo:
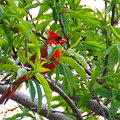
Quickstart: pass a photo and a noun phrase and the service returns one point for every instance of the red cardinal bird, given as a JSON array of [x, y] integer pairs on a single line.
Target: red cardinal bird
[[55, 39]]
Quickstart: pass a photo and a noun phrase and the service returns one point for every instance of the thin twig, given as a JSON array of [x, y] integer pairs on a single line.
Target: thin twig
[[96, 97], [29, 14], [39, 34], [107, 101], [113, 14], [112, 23], [15, 53], [75, 97]]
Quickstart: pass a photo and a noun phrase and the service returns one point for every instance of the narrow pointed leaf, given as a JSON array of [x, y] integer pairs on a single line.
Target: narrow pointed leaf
[[114, 32], [39, 92], [32, 90], [76, 66], [68, 82], [8, 67], [47, 89]]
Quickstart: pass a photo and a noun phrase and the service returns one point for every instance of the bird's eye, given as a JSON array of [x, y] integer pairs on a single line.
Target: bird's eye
[[58, 39]]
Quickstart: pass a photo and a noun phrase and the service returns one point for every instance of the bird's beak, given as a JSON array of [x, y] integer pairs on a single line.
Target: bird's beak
[[62, 41]]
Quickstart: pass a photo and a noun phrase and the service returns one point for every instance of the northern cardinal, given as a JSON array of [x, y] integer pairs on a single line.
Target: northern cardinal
[[53, 38]]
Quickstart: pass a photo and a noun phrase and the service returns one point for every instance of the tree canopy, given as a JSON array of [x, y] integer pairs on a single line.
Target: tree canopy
[[87, 77]]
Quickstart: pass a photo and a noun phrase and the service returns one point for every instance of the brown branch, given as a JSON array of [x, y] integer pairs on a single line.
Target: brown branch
[[8, 111], [93, 105], [25, 100], [95, 94], [107, 56], [29, 14], [113, 15], [15, 53], [39, 34], [99, 109], [105, 64], [75, 97], [15, 30], [66, 98]]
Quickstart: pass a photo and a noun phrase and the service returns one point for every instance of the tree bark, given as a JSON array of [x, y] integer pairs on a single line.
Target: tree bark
[[26, 101]]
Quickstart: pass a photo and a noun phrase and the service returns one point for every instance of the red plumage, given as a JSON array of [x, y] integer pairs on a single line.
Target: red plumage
[[53, 38]]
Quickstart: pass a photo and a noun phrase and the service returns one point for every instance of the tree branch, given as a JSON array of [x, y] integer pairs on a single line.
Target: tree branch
[[106, 57], [99, 109], [65, 97], [25, 100]]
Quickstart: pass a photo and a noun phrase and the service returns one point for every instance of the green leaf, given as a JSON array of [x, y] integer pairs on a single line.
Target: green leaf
[[25, 111], [8, 67], [108, 9], [43, 9], [22, 29], [113, 57], [30, 6], [84, 102], [57, 8], [53, 27], [3, 42], [47, 89], [43, 29], [75, 43], [57, 75], [28, 61], [25, 29], [51, 50], [55, 16], [1, 12], [77, 3], [114, 93], [68, 82], [72, 4], [21, 72], [114, 108], [104, 92], [39, 69], [36, 43], [76, 66], [95, 74], [17, 16], [32, 90], [29, 28], [118, 47], [64, 21], [13, 4], [19, 116], [43, 24], [39, 92], [79, 57], [94, 45], [114, 32], [63, 2], [99, 13], [8, 34]]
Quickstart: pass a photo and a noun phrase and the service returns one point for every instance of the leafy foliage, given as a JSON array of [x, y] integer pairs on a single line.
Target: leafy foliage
[[90, 64]]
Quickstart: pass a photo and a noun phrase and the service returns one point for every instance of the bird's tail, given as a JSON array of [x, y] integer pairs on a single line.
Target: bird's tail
[[9, 92]]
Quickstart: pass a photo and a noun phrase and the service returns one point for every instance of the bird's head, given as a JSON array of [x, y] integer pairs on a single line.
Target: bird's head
[[55, 38]]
